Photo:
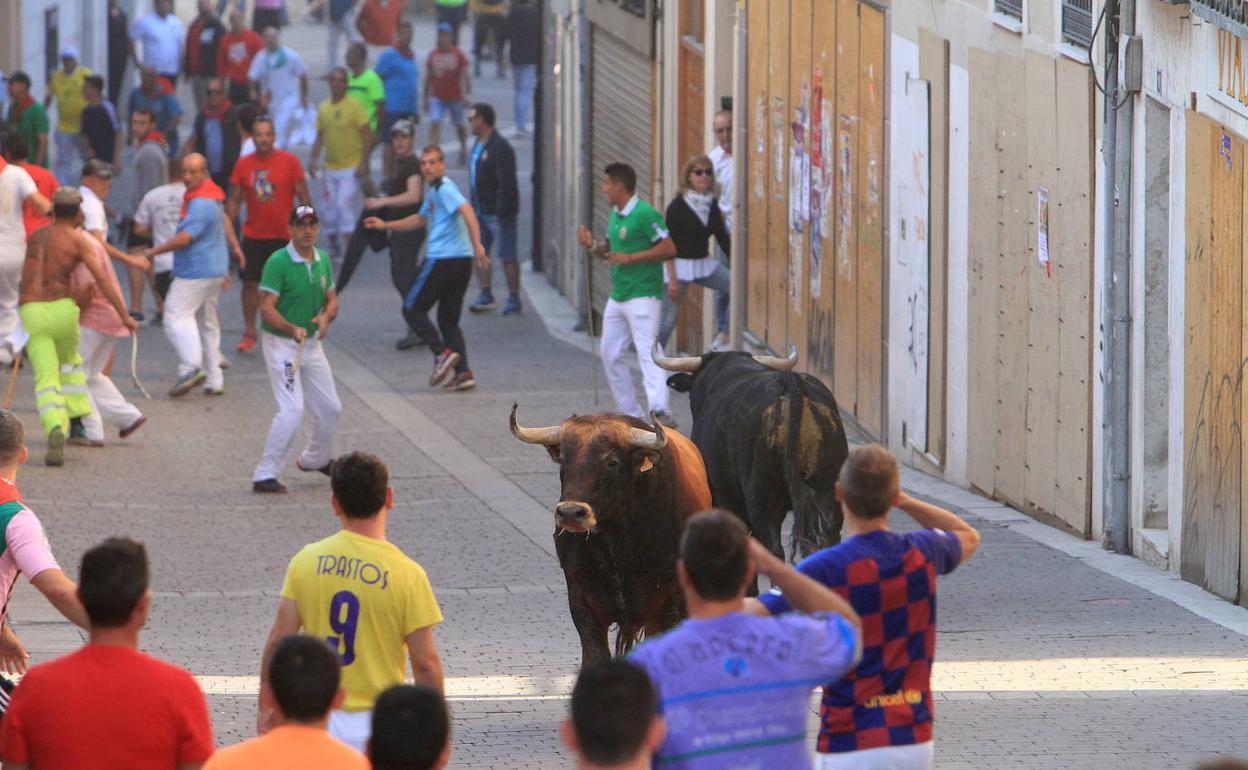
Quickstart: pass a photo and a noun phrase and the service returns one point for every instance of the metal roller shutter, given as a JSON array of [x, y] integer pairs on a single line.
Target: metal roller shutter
[[621, 128]]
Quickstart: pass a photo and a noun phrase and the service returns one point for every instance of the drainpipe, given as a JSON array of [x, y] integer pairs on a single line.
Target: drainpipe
[[740, 152], [1120, 24]]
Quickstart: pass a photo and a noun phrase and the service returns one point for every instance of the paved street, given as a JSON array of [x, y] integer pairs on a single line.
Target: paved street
[[1045, 658]]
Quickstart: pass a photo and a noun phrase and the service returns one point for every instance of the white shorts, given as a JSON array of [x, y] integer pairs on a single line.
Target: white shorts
[[917, 756], [351, 727]]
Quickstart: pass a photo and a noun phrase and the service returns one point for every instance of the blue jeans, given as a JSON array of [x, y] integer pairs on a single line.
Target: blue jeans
[[526, 80], [719, 281], [498, 236]]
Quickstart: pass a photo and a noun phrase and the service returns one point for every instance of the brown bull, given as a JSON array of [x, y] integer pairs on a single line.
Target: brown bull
[[626, 490]]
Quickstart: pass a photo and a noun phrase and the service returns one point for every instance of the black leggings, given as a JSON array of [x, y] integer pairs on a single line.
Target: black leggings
[[441, 282]]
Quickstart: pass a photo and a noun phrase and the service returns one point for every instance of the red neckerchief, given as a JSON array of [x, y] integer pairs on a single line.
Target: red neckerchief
[[3, 163], [155, 136], [9, 492], [207, 189], [219, 114]]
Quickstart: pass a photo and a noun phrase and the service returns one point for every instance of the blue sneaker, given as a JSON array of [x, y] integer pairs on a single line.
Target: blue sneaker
[[513, 305], [484, 301]]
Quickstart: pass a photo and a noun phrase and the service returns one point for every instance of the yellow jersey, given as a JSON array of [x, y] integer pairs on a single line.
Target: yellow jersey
[[69, 99], [339, 123], [364, 597]]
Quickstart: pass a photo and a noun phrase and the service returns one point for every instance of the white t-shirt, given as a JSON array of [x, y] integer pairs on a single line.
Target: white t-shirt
[[159, 212], [161, 40], [278, 73], [94, 218], [722, 163], [15, 187]]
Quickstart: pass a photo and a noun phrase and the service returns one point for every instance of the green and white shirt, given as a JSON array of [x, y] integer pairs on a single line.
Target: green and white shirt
[[632, 229], [301, 286]]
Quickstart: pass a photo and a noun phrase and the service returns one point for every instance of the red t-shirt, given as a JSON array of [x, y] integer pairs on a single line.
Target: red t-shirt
[[269, 186], [46, 184], [234, 54], [106, 707], [444, 68]]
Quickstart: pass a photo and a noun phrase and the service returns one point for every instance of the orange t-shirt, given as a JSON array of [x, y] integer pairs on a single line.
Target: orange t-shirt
[[268, 186], [46, 184], [289, 747]]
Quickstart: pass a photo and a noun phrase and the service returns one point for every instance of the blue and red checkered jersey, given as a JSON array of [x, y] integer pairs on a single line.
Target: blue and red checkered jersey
[[890, 579]]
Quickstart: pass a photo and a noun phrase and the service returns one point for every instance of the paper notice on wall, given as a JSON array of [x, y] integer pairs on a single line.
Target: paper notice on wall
[[816, 184], [1042, 230], [777, 146]]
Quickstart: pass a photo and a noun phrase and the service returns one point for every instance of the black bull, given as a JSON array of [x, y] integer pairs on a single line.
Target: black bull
[[772, 441], [626, 489]]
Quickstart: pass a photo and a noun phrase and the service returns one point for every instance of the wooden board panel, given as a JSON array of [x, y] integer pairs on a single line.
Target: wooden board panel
[[691, 140], [820, 319], [1072, 237], [872, 307], [1198, 383], [1225, 298], [1011, 368], [778, 41], [798, 275], [845, 251], [757, 199], [1040, 484], [983, 292], [934, 67]]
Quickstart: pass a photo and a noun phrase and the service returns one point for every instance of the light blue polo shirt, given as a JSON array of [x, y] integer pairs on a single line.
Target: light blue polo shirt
[[448, 232], [207, 256]]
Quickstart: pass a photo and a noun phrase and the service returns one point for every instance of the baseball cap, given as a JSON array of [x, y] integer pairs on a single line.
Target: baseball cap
[[97, 167], [304, 212], [67, 196], [70, 52], [446, 27], [403, 126]]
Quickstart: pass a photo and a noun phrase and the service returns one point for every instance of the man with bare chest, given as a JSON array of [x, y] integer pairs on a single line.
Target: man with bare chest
[[49, 311]]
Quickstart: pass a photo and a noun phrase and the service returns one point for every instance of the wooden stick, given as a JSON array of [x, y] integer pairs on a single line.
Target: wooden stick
[[134, 364], [589, 319]]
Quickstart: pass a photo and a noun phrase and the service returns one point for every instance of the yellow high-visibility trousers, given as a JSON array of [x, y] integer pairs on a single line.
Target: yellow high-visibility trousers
[[60, 380]]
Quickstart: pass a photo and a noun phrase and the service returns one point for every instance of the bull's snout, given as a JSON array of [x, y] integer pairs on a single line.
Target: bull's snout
[[574, 515]]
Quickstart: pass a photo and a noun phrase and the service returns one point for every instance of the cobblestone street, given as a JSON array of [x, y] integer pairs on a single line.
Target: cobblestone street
[[1051, 652]]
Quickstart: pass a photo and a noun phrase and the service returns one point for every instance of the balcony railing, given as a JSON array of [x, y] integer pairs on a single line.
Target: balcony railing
[[1077, 22], [1012, 8], [1228, 14]]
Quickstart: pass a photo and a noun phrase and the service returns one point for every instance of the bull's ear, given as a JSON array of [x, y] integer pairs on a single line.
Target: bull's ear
[[553, 451], [647, 459], [681, 382]]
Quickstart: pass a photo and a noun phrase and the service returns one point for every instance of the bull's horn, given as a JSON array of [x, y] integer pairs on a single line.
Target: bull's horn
[[775, 362], [680, 364], [547, 436], [644, 439]]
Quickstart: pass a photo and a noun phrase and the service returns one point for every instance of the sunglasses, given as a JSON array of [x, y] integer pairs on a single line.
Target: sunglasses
[[700, 171]]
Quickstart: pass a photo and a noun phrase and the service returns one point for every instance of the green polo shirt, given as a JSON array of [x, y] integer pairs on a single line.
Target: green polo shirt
[[300, 286], [634, 228], [31, 124], [368, 89]]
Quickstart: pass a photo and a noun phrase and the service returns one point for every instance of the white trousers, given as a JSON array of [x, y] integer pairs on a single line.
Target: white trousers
[[66, 145], [107, 403], [193, 326], [282, 110], [636, 321], [314, 385], [918, 756], [343, 28], [353, 728], [338, 213], [12, 255]]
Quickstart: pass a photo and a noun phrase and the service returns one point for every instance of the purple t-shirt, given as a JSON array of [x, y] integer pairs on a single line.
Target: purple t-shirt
[[735, 691]]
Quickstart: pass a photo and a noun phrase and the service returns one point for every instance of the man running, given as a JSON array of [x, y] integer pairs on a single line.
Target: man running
[[50, 316], [17, 190], [405, 191], [454, 243], [268, 181], [298, 305], [200, 264], [358, 591], [280, 80], [342, 129]]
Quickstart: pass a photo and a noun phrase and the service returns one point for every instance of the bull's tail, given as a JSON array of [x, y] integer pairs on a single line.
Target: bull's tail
[[813, 528]]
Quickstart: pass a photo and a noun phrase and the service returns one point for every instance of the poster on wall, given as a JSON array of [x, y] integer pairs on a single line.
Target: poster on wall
[[845, 202], [817, 135], [799, 190], [1042, 230], [777, 144], [760, 148]]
